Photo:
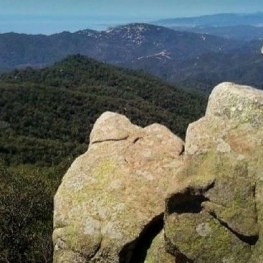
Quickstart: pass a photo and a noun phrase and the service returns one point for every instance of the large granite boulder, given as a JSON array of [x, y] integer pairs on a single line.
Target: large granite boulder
[[215, 213], [110, 204]]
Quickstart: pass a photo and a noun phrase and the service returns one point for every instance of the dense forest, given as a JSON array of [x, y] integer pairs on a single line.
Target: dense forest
[[45, 118]]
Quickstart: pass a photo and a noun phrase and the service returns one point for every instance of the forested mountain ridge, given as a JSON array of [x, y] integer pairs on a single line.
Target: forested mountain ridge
[[120, 45], [54, 108], [243, 65]]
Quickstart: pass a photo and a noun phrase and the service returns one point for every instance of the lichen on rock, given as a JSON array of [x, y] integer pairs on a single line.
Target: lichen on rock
[[113, 192], [221, 174]]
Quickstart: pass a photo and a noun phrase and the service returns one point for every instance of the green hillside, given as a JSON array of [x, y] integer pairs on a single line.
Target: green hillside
[[45, 119], [47, 115]]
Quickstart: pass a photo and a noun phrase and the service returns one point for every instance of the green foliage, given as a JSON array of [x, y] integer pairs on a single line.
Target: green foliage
[[26, 205], [46, 115]]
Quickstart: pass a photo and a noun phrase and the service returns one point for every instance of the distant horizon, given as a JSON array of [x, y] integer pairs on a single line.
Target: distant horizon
[[51, 24], [49, 16]]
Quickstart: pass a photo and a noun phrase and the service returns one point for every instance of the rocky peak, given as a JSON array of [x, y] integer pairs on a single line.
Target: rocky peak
[[136, 33], [137, 196]]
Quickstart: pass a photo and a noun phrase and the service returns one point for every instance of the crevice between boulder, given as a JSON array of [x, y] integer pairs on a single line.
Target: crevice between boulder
[[136, 251]]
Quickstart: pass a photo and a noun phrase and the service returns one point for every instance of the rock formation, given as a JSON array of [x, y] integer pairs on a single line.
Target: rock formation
[[140, 195], [111, 201], [215, 214]]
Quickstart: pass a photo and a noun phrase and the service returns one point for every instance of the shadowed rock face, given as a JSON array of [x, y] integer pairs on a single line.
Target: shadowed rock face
[[137, 196]]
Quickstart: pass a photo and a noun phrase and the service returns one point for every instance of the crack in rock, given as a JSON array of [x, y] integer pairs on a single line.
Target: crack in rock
[[137, 139], [136, 250], [192, 201], [250, 240], [180, 258], [187, 203], [111, 140]]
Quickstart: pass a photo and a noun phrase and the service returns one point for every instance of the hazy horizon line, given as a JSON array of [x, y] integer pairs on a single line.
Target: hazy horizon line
[[73, 23]]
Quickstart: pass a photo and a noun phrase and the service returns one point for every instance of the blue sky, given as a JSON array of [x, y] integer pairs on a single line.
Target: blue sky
[[50, 16]]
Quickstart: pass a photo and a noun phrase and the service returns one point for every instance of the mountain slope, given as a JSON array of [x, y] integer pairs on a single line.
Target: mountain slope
[[46, 114], [120, 46], [242, 66], [174, 56], [239, 32]]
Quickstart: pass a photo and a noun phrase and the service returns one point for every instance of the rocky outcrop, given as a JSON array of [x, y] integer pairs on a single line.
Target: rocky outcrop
[[215, 212], [138, 196], [110, 204]]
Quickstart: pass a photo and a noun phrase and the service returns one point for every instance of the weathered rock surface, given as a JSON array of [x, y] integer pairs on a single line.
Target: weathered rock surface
[[110, 204], [215, 214], [157, 252], [136, 196]]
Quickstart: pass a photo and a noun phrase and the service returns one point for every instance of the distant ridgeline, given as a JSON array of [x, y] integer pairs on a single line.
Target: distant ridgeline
[[46, 114], [192, 60]]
